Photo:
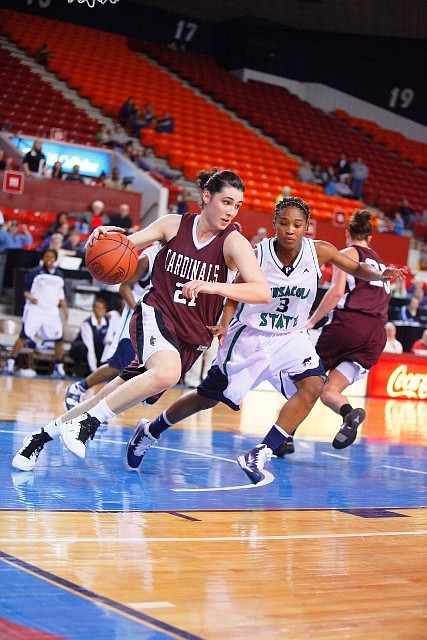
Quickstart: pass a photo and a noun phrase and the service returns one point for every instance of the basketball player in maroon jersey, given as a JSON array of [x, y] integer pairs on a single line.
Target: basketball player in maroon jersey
[[354, 338], [169, 327]]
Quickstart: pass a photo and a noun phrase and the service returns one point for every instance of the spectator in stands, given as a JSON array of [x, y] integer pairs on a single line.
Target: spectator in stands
[[305, 173], [419, 347], [114, 182], [103, 136], [63, 229], [318, 173], [75, 176], [146, 162], [95, 217], [410, 312], [181, 203], [57, 172], [60, 219], [407, 213], [260, 235], [126, 111], [418, 290], [359, 174], [329, 176], [382, 223], [34, 162], [165, 124], [138, 123], [392, 345], [2, 161], [342, 166], [398, 224], [56, 242], [90, 345], [150, 115], [121, 218], [14, 236], [119, 138], [11, 238], [286, 192], [342, 187], [74, 244], [44, 294], [43, 54], [398, 289]]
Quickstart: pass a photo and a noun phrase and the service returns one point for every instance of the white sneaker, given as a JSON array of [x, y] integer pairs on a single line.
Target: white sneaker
[[27, 456], [10, 365], [59, 371], [74, 395], [76, 432]]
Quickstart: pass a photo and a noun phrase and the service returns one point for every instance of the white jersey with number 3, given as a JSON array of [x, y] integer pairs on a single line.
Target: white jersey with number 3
[[293, 290]]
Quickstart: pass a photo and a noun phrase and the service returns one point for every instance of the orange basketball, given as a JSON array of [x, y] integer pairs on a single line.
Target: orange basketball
[[112, 258]]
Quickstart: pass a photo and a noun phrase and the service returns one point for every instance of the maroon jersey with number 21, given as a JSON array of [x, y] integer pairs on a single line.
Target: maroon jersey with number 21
[[183, 259]]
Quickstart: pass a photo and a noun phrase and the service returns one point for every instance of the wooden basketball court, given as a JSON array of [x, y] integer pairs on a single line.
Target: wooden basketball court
[[331, 545]]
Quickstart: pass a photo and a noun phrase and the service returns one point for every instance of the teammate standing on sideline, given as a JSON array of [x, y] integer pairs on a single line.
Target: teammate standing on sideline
[[44, 294], [353, 340], [169, 328], [266, 341], [121, 351]]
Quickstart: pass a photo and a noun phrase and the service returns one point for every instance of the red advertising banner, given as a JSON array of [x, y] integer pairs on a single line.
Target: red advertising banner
[[13, 182], [398, 376]]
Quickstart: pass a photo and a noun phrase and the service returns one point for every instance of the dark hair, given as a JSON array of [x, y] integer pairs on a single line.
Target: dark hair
[[292, 202], [215, 181], [360, 224], [50, 251]]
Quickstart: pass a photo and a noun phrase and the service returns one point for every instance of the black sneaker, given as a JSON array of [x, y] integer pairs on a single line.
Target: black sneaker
[[253, 462], [348, 432], [285, 449], [75, 433], [27, 456], [139, 444]]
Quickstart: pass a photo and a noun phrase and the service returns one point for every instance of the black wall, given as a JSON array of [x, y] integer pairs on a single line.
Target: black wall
[[388, 72]]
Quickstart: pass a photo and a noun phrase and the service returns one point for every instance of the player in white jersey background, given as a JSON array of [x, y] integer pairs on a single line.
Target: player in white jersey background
[[265, 340]]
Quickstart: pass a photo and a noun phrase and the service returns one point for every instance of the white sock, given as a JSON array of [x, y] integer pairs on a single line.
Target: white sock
[[281, 430], [102, 411], [52, 428]]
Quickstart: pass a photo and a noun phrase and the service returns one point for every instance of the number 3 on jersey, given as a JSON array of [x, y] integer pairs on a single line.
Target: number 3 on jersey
[[178, 297]]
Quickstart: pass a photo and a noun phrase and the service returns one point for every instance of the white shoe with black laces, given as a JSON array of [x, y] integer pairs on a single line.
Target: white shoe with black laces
[[27, 456], [75, 433]]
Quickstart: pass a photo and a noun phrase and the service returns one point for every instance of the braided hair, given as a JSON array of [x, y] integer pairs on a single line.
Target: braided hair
[[292, 201]]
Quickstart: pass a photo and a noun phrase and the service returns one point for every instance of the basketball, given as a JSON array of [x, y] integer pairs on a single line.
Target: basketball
[[112, 258]]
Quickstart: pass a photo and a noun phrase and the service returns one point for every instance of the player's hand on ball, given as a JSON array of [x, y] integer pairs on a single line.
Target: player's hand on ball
[[102, 230]]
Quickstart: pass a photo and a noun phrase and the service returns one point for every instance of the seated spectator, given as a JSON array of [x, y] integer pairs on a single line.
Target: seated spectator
[[138, 122], [14, 236], [318, 173], [418, 290], [2, 161], [342, 187], [419, 347], [55, 242], [382, 223], [398, 288], [126, 111], [329, 175], [392, 345], [56, 171], [398, 224], [60, 219], [75, 176], [285, 193], [43, 54], [114, 182], [305, 173], [34, 162], [165, 124], [407, 213], [119, 138], [90, 345], [103, 136], [149, 115], [410, 312], [181, 203], [342, 166], [95, 217], [74, 244], [260, 235], [121, 218], [359, 174]]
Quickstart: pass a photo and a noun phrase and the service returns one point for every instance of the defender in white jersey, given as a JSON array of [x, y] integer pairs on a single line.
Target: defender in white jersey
[[266, 341]]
